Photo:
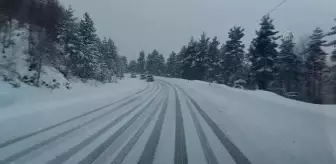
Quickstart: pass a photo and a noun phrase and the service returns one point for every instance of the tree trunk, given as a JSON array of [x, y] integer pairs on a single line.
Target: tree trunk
[[262, 84], [5, 33], [39, 69]]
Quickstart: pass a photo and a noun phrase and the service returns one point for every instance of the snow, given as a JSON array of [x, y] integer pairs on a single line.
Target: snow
[[165, 152], [264, 70], [15, 63], [194, 148], [20, 104], [266, 127], [329, 62], [115, 148], [48, 108], [135, 153]]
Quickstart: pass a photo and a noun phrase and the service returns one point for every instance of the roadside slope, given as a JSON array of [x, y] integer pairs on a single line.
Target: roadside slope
[[265, 127]]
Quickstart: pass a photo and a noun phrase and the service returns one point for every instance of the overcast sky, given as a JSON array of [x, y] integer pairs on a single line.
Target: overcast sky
[[167, 25]]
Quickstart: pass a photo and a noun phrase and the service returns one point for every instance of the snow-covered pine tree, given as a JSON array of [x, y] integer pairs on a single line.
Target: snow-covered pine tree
[[333, 42], [151, 62], [111, 58], [67, 30], [202, 60], [171, 65], [233, 56], [289, 66], [88, 49], [263, 54], [141, 62], [132, 66], [161, 65], [213, 60], [315, 65], [333, 69], [103, 72], [179, 60], [187, 60], [124, 64], [68, 38]]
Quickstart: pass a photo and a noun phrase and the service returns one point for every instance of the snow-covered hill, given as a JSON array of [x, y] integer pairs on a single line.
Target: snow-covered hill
[[14, 65]]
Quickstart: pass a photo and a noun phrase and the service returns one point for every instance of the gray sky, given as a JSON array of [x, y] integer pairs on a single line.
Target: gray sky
[[167, 25]]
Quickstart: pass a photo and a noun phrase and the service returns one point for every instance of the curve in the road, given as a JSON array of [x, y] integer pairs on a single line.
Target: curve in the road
[[20, 138], [148, 154], [103, 146], [233, 150], [128, 147], [208, 152]]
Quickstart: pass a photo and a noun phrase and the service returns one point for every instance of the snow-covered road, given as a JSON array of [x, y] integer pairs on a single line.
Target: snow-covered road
[[173, 121]]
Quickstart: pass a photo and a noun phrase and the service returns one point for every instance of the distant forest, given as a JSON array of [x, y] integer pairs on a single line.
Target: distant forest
[[294, 70]]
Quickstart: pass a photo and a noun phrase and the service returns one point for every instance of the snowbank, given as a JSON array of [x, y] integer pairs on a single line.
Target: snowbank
[[261, 123], [27, 99]]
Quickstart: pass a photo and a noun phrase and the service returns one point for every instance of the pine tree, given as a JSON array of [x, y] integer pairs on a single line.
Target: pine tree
[[112, 57], [124, 64], [151, 65], [69, 39], [263, 54], [213, 60], [201, 60], [172, 65], [141, 62], [67, 30], [233, 56], [87, 57], [161, 65], [289, 66], [132, 66], [187, 54], [332, 76], [315, 65], [333, 43], [104, 72], [179, 62]]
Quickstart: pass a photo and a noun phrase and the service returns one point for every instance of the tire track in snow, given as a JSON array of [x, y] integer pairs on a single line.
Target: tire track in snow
[[20, 138], [148, 154], [72, 151], [103, 146], [180, 155], [47, 141], [208, 152], [235, 153], [128, 147]]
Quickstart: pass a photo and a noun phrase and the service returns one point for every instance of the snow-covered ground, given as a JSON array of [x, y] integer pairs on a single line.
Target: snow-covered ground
[[168, 121], [25, 100], [266, 127]]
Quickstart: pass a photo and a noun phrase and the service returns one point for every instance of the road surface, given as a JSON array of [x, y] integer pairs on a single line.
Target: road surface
[[161, 124]]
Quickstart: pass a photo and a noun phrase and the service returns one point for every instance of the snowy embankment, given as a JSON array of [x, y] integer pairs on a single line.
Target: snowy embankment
[[261, 123], [16, 66], [28, 100]]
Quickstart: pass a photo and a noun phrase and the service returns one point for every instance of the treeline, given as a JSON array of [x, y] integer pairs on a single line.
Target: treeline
[[271, 63], [57, 38]]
